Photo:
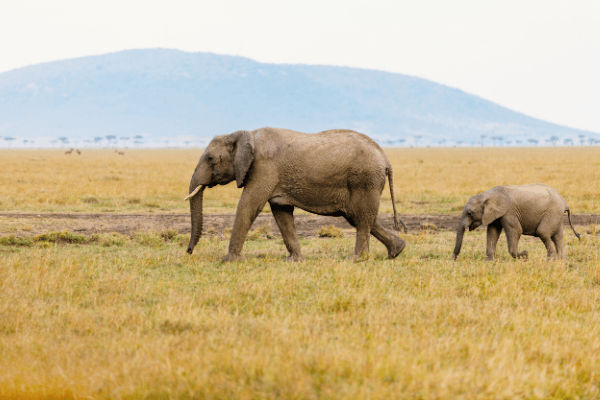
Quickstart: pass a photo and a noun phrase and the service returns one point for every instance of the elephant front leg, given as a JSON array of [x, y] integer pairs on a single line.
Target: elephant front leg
[[250, 205], [513, 230], [493, 233], [284, 217]]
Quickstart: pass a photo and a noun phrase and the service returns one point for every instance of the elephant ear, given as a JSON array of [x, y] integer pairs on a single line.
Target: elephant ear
[[494, 206], [244, 156]]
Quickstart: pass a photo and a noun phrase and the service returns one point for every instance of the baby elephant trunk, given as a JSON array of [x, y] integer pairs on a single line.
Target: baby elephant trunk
[[460, 232]]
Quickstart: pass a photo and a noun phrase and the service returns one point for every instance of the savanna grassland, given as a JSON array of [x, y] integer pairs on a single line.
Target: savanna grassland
[[426, 180], [133, 316]]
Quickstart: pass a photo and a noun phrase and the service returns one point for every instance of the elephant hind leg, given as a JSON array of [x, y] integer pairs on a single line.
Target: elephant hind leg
[[284, 217], [361, 246], [545, 232], [362, 213], [550, 248], [557, 238], [392, 242]]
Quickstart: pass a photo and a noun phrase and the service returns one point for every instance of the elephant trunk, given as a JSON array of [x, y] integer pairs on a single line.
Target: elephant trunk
[[196, 217], [460, 231]]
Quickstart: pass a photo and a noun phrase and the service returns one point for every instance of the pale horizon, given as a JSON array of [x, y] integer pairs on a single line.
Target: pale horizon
[[539, 58]]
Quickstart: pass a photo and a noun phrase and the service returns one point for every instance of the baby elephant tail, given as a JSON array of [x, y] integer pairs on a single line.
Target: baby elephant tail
[[575, 232], [397, 221]]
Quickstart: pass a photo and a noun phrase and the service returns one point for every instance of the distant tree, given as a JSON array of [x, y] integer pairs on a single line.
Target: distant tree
[[417, 139], [554, 140], [483, 140], [9, 140], [97, 139], [581, 139], [110, 138], [498, 139], [568, 142], [533, 141], [138, 137], [63, 139]]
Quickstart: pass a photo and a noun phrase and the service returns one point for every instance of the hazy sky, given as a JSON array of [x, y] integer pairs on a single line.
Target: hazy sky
[[540, 57]]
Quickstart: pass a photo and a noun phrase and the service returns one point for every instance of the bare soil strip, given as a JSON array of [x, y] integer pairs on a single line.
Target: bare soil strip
[[27, 224]]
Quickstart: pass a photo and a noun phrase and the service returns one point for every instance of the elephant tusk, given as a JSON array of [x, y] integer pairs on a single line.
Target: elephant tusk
[[189, 196]]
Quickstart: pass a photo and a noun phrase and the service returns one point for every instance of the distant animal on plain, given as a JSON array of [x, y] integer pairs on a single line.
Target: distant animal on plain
[[335, 172], [78, 151], [69, 151], [534, 210], [121, 153]]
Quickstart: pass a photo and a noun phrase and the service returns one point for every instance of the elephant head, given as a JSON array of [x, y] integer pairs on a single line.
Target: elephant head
[[226, 158], [481, 209]]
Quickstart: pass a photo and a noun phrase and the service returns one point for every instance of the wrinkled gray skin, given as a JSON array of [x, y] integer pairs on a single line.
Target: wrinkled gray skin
[[337, 172], [534, 210]]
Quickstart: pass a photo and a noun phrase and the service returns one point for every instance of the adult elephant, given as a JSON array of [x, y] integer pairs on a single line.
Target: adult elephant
[[335, 172]]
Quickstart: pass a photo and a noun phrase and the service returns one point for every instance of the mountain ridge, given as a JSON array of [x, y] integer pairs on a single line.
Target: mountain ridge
[[171, 97]]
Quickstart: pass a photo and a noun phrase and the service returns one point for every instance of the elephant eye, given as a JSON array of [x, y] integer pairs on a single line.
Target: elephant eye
[[209, 159]]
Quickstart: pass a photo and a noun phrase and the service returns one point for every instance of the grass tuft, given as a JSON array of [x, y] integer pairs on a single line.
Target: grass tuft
[[330, 231], [12, 240], [62, 237]]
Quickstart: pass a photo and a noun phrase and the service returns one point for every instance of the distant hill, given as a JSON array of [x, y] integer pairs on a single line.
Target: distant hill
[[170, 97]]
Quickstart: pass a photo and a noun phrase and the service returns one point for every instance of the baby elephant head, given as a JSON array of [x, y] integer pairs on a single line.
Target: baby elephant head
[[226, 158], [481, 209]]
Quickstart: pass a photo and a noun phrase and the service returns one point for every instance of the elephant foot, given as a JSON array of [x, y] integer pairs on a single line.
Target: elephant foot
[[396, 248], [231, 257], [360, 257], [524, 255], [294, 258]]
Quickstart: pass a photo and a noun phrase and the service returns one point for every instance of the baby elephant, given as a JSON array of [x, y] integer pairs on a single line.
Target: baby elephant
[[535, 210]]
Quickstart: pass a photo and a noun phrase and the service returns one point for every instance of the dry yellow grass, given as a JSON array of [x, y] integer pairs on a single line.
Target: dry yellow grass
[[426, 180], [138, 318]]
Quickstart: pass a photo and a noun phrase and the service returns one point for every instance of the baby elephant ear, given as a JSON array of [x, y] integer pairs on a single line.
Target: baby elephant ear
[[494, 207], [244, 156]]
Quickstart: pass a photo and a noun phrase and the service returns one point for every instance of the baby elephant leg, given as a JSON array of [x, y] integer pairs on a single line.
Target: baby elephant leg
[[550, 247], [558, 243], [547, 231], [493, 233], [513, 230]]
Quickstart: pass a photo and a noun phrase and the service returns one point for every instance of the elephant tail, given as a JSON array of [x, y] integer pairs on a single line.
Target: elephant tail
[[397, 221], [569, 215]]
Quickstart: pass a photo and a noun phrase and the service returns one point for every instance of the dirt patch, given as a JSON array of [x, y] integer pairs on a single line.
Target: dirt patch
[[28, 224]]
